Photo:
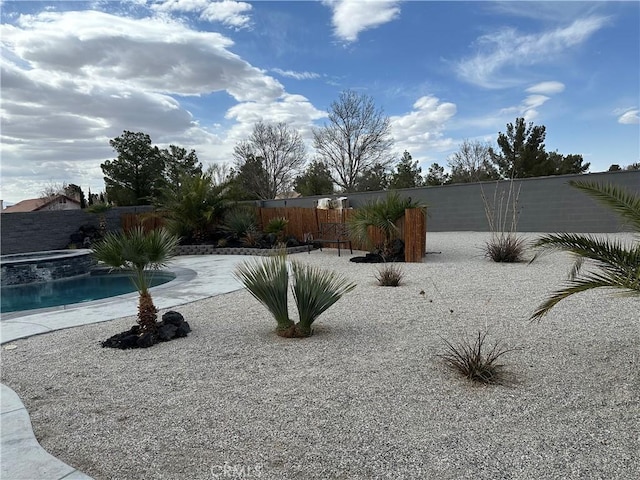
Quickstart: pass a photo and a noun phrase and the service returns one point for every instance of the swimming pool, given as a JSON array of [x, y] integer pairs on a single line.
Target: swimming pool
[[84, 288]]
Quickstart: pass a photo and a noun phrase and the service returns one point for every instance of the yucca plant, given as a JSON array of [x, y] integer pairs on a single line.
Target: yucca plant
[[137, 251], [474, 361], [267, 280], [382, 214], [616, 265], [239, 220], [314, 291]]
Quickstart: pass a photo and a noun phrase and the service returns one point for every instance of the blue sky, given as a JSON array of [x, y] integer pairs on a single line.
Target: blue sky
[[200, 73]]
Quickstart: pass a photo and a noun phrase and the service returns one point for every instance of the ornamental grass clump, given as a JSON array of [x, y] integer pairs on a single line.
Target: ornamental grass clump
[[390, 275], [314, 291], [475, 362]]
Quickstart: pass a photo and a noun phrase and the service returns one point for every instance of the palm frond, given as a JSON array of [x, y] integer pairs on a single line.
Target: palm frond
[[601, 250], [267, 280], [315, 290], [628, 283], [621, 201]]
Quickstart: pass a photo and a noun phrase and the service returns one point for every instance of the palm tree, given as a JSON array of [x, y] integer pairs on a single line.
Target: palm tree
[[617, 265], [192, 209], [382, 214], [136, 251]]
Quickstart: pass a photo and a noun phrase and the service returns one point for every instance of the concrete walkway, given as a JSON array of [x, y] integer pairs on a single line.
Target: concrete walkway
[[21, 456]]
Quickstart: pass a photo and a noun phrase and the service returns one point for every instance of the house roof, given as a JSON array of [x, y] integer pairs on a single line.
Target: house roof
[[34, 204]]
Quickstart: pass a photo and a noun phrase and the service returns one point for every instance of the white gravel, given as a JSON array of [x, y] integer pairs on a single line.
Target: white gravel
[[366, 396]]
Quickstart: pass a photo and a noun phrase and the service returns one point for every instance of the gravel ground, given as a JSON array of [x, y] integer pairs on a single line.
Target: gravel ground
[[366, 396]]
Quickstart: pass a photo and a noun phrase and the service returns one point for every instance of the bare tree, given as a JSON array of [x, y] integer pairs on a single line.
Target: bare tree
[[219, 173], [281, 153], [357, 137], [472, 163]]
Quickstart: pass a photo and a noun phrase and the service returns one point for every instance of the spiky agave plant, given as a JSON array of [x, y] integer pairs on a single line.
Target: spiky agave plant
[[267, 279], [315, 290], [137, 251], [616, 265]]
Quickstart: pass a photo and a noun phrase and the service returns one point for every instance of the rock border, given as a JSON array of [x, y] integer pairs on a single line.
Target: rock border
[[214, 250]]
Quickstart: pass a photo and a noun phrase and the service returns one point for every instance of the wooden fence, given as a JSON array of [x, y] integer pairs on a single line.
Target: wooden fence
[[304, 221]]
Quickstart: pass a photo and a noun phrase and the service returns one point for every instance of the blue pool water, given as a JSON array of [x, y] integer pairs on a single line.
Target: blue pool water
[[84, 288]]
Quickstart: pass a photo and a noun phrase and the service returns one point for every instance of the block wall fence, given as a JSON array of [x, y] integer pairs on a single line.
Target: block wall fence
[[546, 204]]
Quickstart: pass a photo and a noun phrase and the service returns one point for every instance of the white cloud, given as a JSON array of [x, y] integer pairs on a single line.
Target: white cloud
[[630, 117], [227, 12], [73, 80], [546, 88], [296, 75], [508, 48], [421, 131], [351, 17]]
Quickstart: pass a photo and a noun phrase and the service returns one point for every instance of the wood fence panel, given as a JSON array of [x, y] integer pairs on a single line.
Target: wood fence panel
[[415, 234], [147, 221]]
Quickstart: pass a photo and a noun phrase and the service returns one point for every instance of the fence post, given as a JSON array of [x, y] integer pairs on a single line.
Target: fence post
[[415, 234]]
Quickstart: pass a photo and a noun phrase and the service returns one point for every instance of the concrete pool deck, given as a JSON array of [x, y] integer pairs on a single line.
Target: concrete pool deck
[[21, 456]]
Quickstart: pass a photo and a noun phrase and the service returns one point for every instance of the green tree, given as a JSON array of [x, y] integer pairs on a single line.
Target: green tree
[[567, 164], [281, 152], [373, 179], [472, 163], [74, 191], [407, 173], [615, 168], [136, 176], [616, 265], [179, 164], [436, 176], [137, 251], [316, 180], [247, 180], [523, 151], [356, 139]]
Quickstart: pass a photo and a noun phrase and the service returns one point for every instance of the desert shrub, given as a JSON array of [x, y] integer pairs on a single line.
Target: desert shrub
[[475, 361], [390, 275], [251, 238], [505, 247], [314, 290], [502, 213], [276, 225], [239, 221]]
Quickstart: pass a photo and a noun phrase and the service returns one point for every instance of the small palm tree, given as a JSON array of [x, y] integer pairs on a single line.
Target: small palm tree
[[382, 214], [618, 265], [194, 207], [137, 251]]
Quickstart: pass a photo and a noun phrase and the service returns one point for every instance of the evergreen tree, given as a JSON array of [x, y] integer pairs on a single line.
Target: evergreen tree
[[407, 173], [136, 176], [523, 151], [316, 180]]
